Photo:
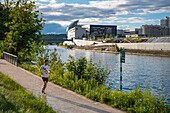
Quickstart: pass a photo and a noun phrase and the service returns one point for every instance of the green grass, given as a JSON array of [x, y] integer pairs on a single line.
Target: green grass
[[14, 99]]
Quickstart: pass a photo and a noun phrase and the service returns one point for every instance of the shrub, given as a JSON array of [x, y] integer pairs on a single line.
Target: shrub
[[117, 48], [88, 79], [60, 44]]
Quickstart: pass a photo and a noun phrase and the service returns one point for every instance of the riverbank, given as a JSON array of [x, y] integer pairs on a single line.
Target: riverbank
[[128, 101], [151, 49], [111, 49], [132, 101]]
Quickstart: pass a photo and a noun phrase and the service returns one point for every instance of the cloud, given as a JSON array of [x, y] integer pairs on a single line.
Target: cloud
[[148, 6], [102, 11]]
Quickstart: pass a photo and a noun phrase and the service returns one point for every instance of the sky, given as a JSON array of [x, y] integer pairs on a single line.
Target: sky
[[123, 13]]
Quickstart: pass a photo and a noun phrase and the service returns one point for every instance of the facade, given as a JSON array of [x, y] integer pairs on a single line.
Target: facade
[[72, 25], [154, 30], [166, 23], [129, 32], [161, 30], [76, 32], [120, 32], [103, 30]]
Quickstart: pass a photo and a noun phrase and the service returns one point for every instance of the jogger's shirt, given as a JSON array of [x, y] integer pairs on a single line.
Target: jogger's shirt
[[44, 69]]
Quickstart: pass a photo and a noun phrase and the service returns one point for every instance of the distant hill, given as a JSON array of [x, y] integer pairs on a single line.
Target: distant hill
[[54, 38]]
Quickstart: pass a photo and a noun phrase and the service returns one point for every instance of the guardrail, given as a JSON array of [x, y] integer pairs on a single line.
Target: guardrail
[[10, 58]]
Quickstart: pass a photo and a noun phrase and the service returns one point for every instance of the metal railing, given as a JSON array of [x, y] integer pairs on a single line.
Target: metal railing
[[10, 58]]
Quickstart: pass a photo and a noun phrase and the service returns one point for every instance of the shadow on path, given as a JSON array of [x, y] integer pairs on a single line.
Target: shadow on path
[[79, 104]]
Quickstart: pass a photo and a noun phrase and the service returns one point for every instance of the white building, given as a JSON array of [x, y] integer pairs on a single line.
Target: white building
[[76, 32]]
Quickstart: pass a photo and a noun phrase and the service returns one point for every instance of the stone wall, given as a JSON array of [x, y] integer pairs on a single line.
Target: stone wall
[[136, 46], [145, 46]]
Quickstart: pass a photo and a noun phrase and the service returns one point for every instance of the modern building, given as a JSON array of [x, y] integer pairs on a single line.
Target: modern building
[[75, 31], [103, 30], [154, 30]]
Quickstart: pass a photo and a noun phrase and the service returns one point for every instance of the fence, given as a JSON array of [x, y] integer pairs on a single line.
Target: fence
[[10, 58]]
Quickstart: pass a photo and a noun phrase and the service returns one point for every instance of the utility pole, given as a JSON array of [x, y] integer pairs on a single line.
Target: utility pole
[[122, 60]]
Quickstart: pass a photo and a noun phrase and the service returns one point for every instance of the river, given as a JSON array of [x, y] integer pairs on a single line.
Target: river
[[138, 70]]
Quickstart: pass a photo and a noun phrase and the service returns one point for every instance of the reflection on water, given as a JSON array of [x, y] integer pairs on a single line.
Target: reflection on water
[[142, 71]]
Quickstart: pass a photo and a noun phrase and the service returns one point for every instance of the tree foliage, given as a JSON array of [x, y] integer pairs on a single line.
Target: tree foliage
[[4, 17], [23, 23]]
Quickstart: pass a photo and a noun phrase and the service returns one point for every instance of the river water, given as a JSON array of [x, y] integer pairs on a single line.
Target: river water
[[138, 70]]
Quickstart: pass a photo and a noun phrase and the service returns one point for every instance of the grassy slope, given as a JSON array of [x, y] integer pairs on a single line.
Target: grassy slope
[[14, 99]]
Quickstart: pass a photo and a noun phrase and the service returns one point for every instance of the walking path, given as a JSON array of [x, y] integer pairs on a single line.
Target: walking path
[[60, 99]]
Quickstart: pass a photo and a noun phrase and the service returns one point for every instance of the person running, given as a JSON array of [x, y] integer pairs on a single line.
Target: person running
[[44, 71]]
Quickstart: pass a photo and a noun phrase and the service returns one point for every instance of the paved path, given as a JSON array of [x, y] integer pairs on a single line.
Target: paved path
[[60, 99]]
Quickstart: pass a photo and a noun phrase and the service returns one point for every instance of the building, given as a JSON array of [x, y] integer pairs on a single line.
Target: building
[[166, 23], [132, 31], [161, 30], [120, 32], [154, 30], [75, 31], [103, 30]]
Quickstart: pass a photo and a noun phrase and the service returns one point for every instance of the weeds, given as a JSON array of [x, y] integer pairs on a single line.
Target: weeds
[[88, 79], [14, 99]]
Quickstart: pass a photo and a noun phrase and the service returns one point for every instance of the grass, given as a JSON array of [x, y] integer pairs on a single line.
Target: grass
[[14, 99], [88, 79]]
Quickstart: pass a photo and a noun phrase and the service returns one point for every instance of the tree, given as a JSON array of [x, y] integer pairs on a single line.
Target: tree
[[25, 27], [110, 36], [106, 36], [4, 17]]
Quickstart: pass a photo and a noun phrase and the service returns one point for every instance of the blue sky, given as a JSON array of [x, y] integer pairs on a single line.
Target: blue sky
[[123, 13]]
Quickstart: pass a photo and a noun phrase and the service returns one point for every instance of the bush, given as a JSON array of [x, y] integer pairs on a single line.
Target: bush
[[69, 46], [117, 48], [60, 44], [88, 79]]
